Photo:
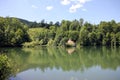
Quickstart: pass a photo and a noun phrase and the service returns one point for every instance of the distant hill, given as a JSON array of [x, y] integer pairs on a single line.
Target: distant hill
[[34, 24], [25, 21]]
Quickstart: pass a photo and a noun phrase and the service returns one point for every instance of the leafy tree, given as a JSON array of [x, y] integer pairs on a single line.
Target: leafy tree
[[105, 27], [113, 39], [57, 24], [99, 38], [83, 36], [73, 35], [89, 27], [107, 39], [51, 23], [74, 25], [81, 22], [92, 38], [42, 23], [118, 38], [13, 32], [65, 25]]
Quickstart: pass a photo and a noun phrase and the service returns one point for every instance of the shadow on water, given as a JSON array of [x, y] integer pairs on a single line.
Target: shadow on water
[[74, 59]]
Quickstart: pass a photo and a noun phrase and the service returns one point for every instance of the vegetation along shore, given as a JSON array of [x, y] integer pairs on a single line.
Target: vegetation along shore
[[20, 32]]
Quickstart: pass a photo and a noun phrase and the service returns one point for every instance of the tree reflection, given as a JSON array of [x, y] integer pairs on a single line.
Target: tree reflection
[[56, 57]]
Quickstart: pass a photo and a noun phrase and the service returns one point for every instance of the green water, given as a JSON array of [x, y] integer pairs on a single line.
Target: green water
[[55, 63]]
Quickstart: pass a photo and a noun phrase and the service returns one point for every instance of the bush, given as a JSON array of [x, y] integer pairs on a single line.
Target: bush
[[5, 67]]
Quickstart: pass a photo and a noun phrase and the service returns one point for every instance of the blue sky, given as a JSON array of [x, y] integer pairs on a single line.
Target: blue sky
[[92, 11]]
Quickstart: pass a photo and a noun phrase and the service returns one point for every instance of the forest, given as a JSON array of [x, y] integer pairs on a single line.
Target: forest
[[20, 32], [16, 32]]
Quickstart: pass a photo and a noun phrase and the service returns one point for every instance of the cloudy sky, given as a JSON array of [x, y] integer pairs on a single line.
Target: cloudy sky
[[92, 11]]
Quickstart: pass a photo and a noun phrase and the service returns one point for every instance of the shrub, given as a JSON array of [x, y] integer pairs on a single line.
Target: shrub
[[5, 67]]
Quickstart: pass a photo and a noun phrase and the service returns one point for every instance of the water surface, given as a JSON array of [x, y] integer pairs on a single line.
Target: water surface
[[47, 63]]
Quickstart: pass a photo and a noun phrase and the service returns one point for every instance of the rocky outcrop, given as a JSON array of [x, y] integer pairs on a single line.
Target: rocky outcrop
[[70, 43]]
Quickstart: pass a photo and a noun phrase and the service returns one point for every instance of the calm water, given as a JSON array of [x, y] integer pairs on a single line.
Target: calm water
[[88, 63]]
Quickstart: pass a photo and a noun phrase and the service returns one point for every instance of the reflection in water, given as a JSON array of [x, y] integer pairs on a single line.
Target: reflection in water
[[88, 63], [70, 50]]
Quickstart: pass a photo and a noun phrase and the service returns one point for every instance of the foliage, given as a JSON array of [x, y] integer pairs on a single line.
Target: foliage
[[12, 32], [5, 67], [83, 34]]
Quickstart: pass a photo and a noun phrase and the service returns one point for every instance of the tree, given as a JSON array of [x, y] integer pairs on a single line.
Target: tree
[[99, 37], [113, 39], [89, 27], [115, 26], [65, 25], [81, 22], [118, 38], [74, 25], [13, 32], [42, 23], [57, 24], [107, 39], [51, 23], [83, 36], [73, 35], [105, 27], [92, 38]]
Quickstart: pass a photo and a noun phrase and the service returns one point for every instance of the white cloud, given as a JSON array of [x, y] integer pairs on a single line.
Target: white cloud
[[65, 2], [33, 6], [49, 8], [75, 4], [73, 8]]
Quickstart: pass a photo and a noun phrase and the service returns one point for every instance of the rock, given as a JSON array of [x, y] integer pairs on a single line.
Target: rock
[[70, 43]]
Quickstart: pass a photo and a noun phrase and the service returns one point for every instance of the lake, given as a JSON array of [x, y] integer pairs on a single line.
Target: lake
[[56, 63]]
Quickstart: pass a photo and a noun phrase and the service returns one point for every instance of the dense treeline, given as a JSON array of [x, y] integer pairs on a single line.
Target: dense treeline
[[13, 32], [82, 33]]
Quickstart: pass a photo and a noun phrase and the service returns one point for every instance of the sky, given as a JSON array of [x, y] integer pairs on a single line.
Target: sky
[[92, 11]]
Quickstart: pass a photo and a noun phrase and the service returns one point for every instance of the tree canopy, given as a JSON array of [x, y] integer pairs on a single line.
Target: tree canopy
[[14, 32]]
